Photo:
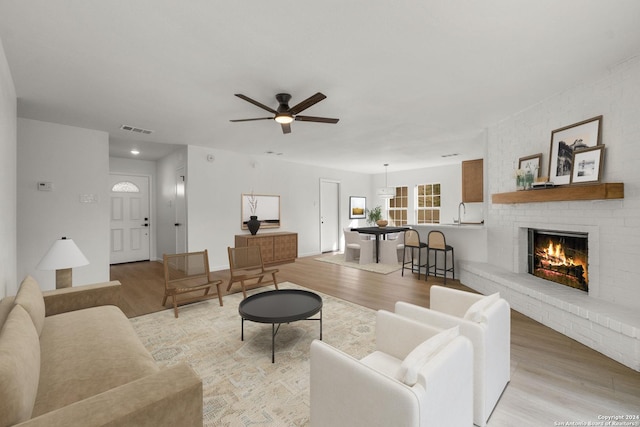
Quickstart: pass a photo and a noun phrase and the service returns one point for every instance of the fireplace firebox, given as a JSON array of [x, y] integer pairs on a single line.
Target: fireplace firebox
[[559, 256]]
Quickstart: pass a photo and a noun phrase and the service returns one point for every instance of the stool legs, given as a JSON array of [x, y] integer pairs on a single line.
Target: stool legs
[[413, 264], [444, 270]]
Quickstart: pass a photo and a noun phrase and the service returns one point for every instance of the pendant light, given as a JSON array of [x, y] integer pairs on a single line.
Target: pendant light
[[386, 192]]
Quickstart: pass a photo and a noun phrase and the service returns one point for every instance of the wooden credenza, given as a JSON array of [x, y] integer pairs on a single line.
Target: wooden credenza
[[276, 248]]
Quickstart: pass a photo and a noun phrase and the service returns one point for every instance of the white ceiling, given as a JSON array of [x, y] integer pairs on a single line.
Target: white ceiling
[[410, 80]]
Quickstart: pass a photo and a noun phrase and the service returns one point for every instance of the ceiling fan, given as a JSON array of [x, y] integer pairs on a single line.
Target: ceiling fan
[[285, 114]]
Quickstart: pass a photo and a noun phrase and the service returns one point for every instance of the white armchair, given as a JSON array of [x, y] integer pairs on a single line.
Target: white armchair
[[357, 248], [486, 321], [417, 376]]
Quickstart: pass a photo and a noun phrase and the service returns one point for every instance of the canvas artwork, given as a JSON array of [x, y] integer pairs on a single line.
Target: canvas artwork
[[357, 207]]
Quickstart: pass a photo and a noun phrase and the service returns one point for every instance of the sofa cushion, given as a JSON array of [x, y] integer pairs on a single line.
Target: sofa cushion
[[6, 305], [419, 356], [19, 367], [30, 297], [86, 352], [475, 313]]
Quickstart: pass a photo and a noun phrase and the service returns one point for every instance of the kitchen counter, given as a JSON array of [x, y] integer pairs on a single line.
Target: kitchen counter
[[469, 240]]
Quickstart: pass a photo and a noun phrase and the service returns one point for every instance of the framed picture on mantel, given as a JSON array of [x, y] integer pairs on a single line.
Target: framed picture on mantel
[[565, 141], [531, 163], [587, 165]]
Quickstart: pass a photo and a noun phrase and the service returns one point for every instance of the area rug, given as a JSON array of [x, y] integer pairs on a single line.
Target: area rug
[[338, 259], [241, 387]]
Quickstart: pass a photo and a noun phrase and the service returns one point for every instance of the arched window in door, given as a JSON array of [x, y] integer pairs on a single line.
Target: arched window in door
[[125, 187]]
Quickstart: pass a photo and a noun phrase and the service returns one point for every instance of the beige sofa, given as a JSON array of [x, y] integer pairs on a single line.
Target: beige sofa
[[70, 357]]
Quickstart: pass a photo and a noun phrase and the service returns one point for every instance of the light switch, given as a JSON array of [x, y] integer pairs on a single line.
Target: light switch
[[88, 198]]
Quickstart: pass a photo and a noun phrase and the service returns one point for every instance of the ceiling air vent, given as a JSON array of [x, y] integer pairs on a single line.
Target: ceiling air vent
[[136, 130]]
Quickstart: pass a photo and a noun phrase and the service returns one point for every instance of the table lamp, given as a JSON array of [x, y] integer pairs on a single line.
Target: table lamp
[[62, 257]]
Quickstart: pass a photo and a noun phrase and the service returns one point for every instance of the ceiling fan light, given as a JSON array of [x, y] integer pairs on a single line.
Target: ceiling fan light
[[284, 118]]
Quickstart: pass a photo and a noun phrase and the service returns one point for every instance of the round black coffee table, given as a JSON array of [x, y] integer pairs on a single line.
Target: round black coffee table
[[278, 307]]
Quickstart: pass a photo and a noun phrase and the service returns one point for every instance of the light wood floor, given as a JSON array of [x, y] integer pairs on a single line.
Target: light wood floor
[[554, 378]]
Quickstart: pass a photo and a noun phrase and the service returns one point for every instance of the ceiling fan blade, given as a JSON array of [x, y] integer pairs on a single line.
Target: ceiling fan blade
[[313, 99], [286, 127], [256, 103], [250, 120], [316, 119]]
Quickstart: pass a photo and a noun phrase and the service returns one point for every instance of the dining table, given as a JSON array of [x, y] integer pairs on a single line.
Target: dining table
[[380, 233]]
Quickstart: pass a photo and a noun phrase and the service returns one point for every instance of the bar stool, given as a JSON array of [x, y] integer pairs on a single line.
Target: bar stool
[[412, 241], [437, 243]]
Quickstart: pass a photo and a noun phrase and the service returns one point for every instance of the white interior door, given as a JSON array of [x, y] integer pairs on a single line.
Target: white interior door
[[329, 216], [181, 212], [129, 218]]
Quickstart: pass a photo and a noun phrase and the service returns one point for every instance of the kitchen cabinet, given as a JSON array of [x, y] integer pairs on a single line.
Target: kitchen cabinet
[[472, 181]]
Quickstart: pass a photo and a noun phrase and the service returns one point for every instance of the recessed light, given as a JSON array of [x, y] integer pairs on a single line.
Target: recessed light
[[135, 152]]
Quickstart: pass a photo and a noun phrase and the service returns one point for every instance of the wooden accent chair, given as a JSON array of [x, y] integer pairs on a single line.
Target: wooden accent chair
[[245, 264], [185, 274]]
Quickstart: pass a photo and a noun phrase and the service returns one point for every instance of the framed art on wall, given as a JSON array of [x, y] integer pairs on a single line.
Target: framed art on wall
[[265, 207], [587, 164], [565, 141], [357, 207]]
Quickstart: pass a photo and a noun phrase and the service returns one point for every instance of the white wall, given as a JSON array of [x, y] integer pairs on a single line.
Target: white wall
[[76, 161], [214, 189], [8, 170], [616, 96]]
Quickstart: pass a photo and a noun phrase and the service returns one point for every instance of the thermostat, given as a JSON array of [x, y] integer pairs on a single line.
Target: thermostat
[[45, 186]]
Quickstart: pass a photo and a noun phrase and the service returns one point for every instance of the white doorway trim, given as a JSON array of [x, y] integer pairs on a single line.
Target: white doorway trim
[[329, 225]]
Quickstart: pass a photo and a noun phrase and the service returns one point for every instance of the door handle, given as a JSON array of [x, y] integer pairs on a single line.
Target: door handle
[[145, 225], [177, 224]]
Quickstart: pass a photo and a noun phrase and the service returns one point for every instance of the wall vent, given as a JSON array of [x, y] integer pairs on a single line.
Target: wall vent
[[136, 130]]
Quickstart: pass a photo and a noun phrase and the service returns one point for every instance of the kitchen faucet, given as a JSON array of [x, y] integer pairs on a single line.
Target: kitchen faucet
[[459, 220]]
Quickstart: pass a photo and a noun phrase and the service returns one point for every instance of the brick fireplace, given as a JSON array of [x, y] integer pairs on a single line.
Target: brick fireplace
[[596, 323]]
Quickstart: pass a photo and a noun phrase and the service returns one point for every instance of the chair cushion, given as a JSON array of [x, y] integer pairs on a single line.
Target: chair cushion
[[419, 356], [30, 297], [476, 313], [19, 367]]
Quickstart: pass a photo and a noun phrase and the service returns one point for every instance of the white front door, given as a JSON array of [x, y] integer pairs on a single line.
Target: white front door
[[329, 216], [130, 227]]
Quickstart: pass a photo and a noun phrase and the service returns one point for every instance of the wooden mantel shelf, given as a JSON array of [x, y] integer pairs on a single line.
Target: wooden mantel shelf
[[611, 190]]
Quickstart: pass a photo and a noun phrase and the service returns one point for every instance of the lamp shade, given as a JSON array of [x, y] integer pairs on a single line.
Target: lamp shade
[[63, 254], [386, 192]]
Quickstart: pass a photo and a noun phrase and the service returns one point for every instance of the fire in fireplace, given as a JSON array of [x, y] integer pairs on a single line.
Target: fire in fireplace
[[560, 257]]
